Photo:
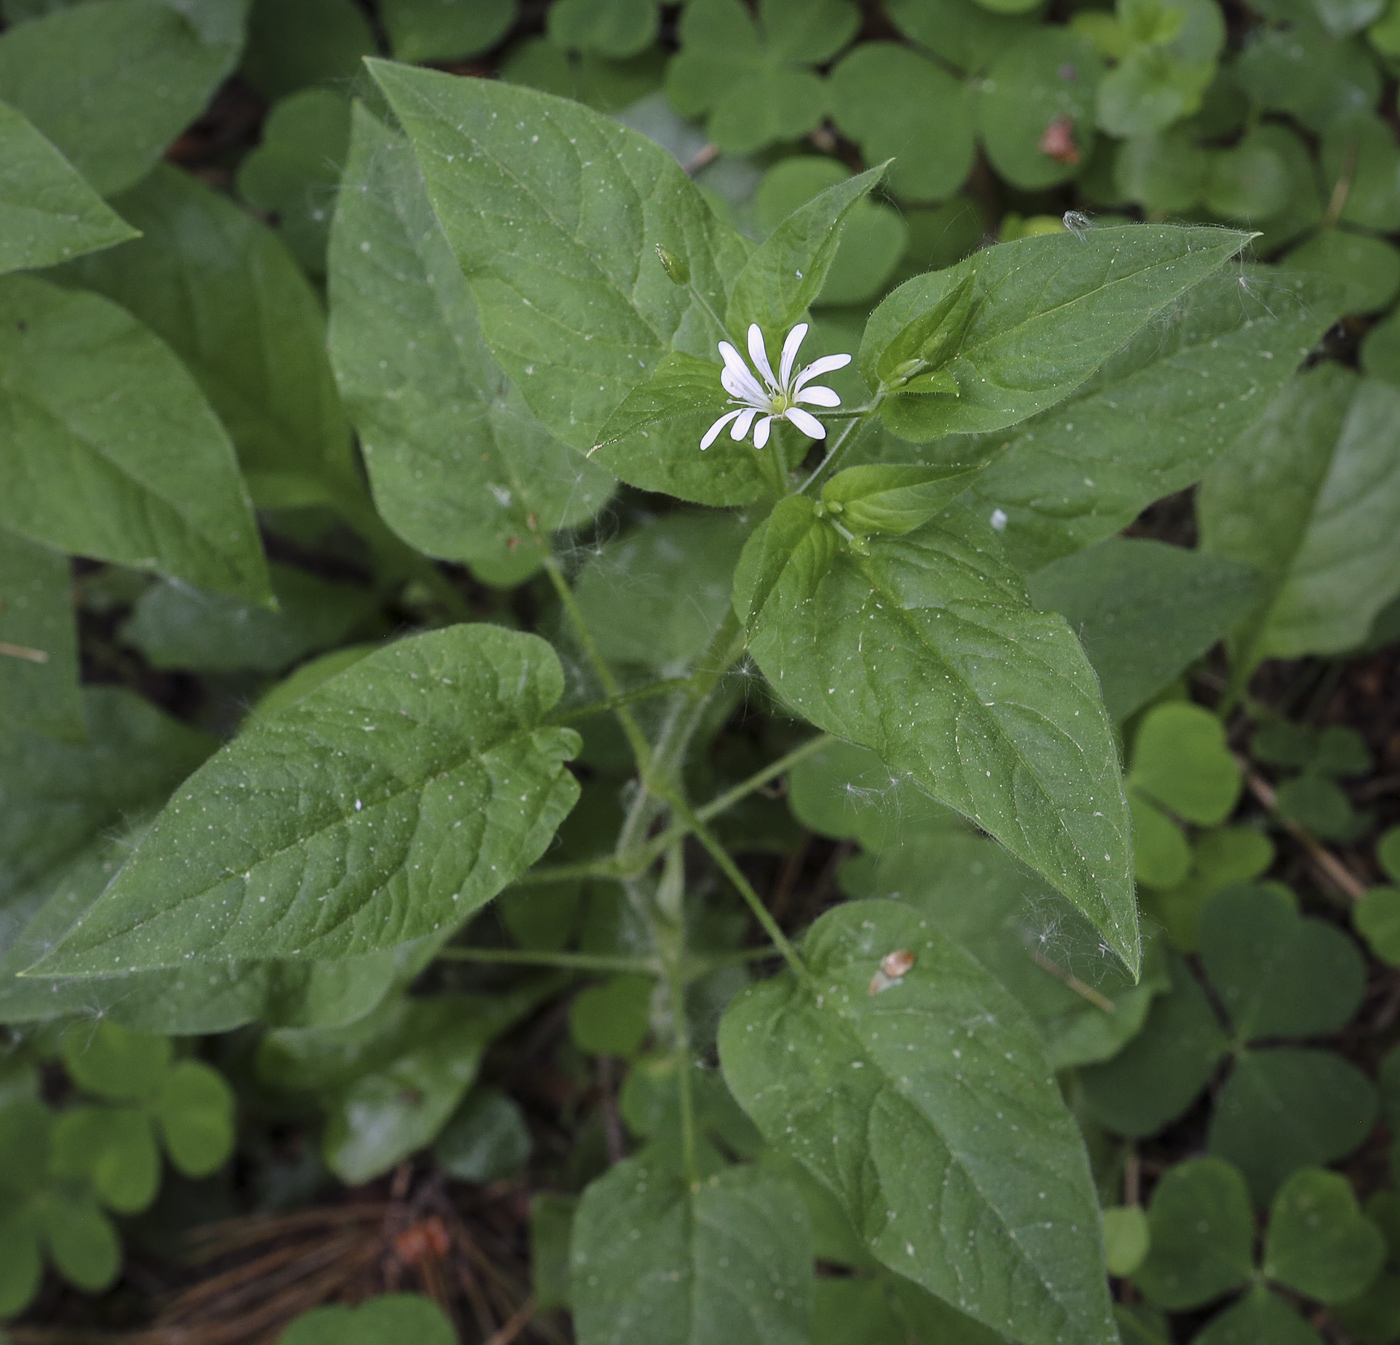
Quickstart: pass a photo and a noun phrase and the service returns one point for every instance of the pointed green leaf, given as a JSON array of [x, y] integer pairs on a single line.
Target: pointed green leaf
[[47, 212], [928, 1108], [782, 279], [38, 632], [728, 1262], [1144, 611], [457, 462], [112, 452], [560, 247], [1312, 501], [925, 649], [1049, 311], [222, 291], [387, 805], [890, 501], [1154, 417], [112, 84]]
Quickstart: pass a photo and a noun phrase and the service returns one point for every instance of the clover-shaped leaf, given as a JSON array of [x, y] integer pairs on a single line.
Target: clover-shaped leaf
[[377, 1321], [1036, 108], [897, 104], [615, 28], [1180, 761], [1368, 268], [752, 76], [1319, 1242], [964, 33], [438, 30], [1303, 71], [1260, 1318]]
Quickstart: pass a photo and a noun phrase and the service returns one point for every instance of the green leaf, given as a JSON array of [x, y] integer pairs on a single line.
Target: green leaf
[[1377, 919], [175, 626], [1127, 1237], [1302, 71], [1367, 268], [1388, 852], [551, 1223], [112, 84], [750, 72], [612, 1018], [486, 1140], [573, 303], [80, 1238], [1049, 311], [924, 1145], [1006, 726], [654, 596], [785, 274], [1180, 759], [616, 28], [850, 1309], [1282, 1109], [1319, 1242], [890, 501], [221, 290], [962, 32], [406, 792], [293, 173], [56, 797], [1153, 418], [1161, 1071], [195, 1110], [897, 104], [383, 1320], [1259, 1318], [390, 1080], [112, 451], [1312, 502], [654, 1259], [26, 1127], [1278, 973], [112, 1062], [48, 213], [457, 462], [847, 793], [1202, 1230], [39, 668], [1144, 611], [1141, 1325], [114, 1148], [438, 30], [310, 42], [21, 1264], [1045, 84], [1250, 182], [1161, 856]]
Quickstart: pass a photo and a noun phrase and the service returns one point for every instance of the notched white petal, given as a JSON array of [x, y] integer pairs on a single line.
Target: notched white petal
[[819, 396]]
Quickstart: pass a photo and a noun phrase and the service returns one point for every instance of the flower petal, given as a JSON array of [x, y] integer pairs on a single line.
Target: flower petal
[[819, 396], [826, 365], [744, 387], [806, 422], [760, 434], [742, 423], [758, 353], [713, 432], [794, 339]]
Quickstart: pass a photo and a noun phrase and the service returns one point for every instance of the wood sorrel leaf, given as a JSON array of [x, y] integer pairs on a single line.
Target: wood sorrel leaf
[[457, 461], [47, 212], [1047, 311], [560, 245], [221, 290], [112, 452], [726, 1263], [926, 649], [787, 271], [388, 804], [927, 1106]]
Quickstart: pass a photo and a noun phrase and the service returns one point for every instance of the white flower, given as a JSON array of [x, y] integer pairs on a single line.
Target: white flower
[[778, 400]]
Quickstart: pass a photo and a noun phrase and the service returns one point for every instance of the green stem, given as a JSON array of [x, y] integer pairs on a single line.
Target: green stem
[[525, 957], [660, 688], [838, 450], [731, 870]]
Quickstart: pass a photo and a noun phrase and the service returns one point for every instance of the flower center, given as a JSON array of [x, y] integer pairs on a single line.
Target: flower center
[[778, 403]]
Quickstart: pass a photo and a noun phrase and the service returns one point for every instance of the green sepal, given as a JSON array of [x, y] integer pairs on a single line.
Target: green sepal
[[892, 500]]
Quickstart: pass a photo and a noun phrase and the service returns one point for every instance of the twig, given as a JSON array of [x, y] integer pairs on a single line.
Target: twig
[[518, 1322], [1328, 867], [23, 651], [1096, 998]]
